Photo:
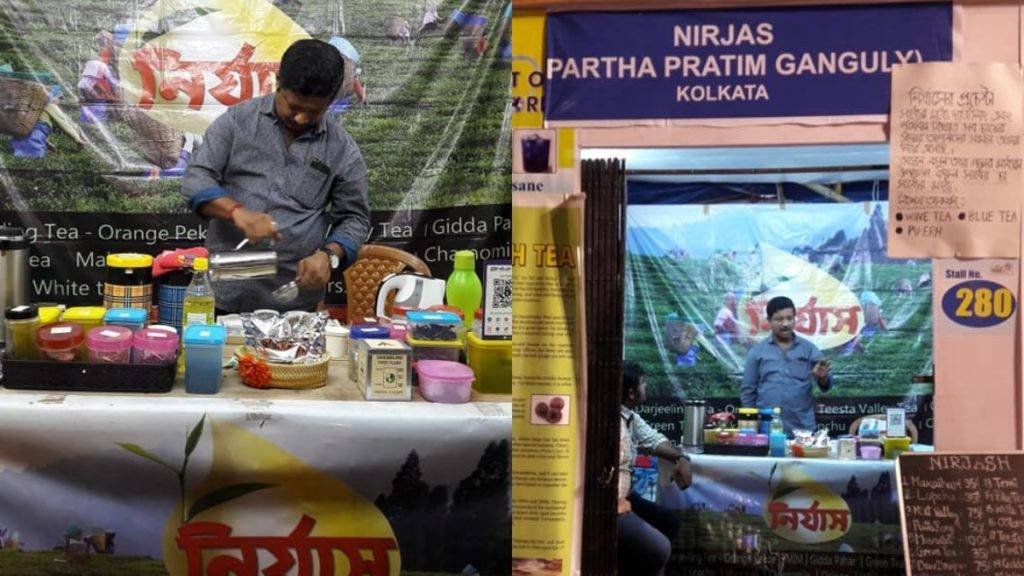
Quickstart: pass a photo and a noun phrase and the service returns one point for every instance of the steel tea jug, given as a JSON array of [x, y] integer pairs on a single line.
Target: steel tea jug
[[14, 274], [693, 425]]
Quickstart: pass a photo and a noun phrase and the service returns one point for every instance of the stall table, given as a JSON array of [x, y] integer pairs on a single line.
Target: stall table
[[112, 462], [785, 515]]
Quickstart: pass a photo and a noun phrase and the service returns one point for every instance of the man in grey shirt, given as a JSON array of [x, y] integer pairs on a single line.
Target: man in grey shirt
[[782, 369], [273, 168]]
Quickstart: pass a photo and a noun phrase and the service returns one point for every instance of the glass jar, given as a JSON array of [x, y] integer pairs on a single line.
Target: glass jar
[[21, 323], [747, 418]]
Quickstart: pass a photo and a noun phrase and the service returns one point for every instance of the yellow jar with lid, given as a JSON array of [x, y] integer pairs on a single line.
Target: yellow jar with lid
[[128, 281], [20, 325], [747, 418], [88, 317]]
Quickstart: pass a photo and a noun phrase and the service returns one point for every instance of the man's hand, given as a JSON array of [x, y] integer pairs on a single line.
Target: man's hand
[[255, 225], [821, 370], [314, 272], [681, 474], [624, 506]]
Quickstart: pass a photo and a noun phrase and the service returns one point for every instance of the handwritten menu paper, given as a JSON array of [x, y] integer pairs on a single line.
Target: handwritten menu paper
[[955, 161], [962, 514]]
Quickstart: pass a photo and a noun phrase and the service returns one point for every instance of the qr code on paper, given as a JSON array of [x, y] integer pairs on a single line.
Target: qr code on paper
[[497, 313], [501, 293]]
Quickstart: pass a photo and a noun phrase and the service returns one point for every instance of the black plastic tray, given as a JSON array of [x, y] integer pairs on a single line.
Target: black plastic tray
[[85, 377], [735, 450]]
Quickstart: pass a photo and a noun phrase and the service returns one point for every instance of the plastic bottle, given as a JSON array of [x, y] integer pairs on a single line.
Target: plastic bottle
[[777, 425], [198, 305], [464, 288], [777, 439]]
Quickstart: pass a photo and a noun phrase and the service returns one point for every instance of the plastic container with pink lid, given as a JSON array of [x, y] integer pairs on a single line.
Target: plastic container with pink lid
[[154, 346], [109, 345], [444, 381]]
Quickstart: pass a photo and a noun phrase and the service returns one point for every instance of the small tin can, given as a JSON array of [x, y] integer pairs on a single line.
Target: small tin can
[[847, 448]]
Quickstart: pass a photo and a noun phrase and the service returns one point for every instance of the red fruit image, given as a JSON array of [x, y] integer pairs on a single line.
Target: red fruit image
[[557, 403], [554, 416], [541, 410]]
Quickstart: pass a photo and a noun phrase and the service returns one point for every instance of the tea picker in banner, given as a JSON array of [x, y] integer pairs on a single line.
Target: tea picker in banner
[[781, 370], [273, 168], [646, 530]]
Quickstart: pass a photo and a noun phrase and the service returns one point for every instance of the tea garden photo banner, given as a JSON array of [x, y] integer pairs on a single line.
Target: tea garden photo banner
[[698, 280], [106, 101]]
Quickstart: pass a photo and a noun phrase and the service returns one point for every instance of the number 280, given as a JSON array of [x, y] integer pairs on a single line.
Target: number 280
[[984, 302]]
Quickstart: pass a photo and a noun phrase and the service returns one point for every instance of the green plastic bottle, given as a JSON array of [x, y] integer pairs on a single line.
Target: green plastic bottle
[[464, 288]]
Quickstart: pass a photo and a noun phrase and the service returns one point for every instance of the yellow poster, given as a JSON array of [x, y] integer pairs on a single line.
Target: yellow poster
[[548, 384], [528, 70]]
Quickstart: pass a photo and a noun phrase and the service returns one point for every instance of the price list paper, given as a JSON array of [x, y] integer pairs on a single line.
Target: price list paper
[[962, 514], [955, 161]]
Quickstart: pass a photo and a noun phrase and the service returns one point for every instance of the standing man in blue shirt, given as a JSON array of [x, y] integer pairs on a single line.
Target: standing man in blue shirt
[[782, 370], [274, 168]]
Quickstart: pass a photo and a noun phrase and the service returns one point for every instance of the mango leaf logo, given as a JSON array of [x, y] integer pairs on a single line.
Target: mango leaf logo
[[827, 311], [802, 510], [188, 60], [207, 501], [258, 495]]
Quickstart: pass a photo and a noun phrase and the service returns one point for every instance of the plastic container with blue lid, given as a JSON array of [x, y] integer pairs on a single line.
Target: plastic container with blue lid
[[131, 318], [434, 326], [362, 332], [369, 331], [204, 354]]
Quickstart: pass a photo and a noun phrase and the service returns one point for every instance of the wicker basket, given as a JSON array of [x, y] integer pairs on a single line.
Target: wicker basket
[[295, 376], [21, 105], [159, 143]]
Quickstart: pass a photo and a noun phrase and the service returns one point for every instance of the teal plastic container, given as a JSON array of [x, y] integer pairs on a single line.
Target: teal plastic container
[[131, 318], [204, 355]]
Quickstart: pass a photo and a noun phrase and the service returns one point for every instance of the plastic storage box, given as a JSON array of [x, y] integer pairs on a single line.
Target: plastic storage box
[[61, 342], [491, 361], [131, 318], [109, 345], [154, 346], [48, 314], [434, 326], [444, 381], [88, 317], [204, 354], [434, 349]]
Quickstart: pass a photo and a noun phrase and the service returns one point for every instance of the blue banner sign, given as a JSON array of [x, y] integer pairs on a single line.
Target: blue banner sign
[[798, 61]]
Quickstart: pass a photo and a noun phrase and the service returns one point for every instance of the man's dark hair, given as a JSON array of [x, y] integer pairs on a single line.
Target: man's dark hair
[[779, 303], [631, 375], [311, 68]]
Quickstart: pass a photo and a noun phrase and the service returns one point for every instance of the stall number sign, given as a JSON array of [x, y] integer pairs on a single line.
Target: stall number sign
[[978, 304]]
